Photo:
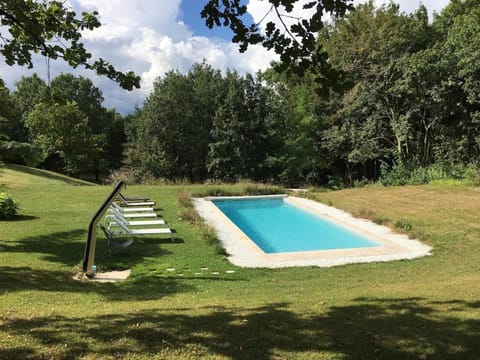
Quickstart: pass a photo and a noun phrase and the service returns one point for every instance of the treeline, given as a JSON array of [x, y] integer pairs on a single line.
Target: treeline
[[406, 104], [61, 127], [203, 125], [405, 107]]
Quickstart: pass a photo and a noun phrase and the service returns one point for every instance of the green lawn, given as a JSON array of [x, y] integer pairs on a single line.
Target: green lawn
[[427, 308]]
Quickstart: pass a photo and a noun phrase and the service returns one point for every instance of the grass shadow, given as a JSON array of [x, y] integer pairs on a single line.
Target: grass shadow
[[145, 288], [24, 218], [66, 249], [366, 329], [61, 247]]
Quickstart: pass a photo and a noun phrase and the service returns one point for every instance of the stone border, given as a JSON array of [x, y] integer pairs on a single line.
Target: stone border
[[245, 253], [105, 277]]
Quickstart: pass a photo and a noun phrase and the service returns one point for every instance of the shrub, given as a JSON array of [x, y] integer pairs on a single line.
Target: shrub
[[8, 207], [472, 174], [129, 176], [189, 214], [396, 176], [184, 198], [244, 188], [402, 225], [410, 175], [262, 189]]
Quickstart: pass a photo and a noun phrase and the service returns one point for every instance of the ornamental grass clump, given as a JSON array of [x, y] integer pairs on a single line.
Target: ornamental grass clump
[[8, 207]]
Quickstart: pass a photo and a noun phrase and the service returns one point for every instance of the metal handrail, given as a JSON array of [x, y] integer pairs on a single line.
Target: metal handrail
[[89, 256]]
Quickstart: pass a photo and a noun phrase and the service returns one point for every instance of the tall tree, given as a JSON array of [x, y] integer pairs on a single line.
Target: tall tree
[[172, 131], [29, 92], [246, 133], [68, 88], [303, 110], [13, 147], [462, 48], [372, 45], [62, 130]]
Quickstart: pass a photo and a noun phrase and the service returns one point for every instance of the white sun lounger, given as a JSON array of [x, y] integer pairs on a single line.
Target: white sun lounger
[[135, 215], [117, 211], [129, 231], [119, 217], [145, 222], [137, 209], [124, 202], [130, 209]]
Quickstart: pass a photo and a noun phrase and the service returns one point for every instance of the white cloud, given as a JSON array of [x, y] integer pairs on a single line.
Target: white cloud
[[146, 36], [163, 54], [122, 19]]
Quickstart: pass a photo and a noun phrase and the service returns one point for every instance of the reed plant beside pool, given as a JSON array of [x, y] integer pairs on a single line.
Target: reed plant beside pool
[[183, 300]]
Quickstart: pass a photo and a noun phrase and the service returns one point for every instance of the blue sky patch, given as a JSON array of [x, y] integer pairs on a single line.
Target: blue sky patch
[[190, 14]]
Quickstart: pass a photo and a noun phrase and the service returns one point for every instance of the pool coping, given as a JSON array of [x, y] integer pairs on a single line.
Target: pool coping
[[244, 252]]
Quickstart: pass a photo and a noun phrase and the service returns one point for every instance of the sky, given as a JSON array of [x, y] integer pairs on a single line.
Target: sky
[[152, 37]]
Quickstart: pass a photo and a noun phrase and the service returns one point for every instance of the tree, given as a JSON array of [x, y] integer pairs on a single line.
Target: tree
[[54, 31], [105, 126], [13, 148], [246, 133], [29, 92], [170, 136], [375, 119], [462, 82], [62, 130], [304, 113]]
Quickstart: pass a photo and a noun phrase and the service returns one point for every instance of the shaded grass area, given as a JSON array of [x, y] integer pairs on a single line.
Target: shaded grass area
[[369, 328], [184, 301]]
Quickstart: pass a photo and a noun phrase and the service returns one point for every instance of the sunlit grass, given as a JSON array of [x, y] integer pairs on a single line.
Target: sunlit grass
[[184, 301]]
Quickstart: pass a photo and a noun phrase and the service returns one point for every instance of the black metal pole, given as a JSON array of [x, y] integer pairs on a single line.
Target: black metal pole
[[89, 255]]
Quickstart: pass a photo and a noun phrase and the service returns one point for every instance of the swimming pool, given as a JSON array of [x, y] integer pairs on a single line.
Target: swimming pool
[[277, 226], [242, 250]]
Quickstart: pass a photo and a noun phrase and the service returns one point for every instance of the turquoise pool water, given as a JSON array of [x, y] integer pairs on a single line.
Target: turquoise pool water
[[277, 226]]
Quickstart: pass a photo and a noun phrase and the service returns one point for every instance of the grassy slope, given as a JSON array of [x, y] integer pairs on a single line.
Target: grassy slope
[[426, 308]]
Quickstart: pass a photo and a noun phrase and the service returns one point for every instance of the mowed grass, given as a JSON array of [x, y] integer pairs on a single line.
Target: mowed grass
[[181, 303]]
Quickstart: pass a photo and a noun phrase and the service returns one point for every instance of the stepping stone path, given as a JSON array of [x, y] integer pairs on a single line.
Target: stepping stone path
[[203, 270]]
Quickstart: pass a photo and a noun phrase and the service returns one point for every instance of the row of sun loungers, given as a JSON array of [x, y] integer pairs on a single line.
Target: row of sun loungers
[[124, 217]]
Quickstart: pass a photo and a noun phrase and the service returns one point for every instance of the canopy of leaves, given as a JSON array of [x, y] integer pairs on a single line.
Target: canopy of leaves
[[61, 130], [202, 125], [54, 31], [170, 136], [296, 44]]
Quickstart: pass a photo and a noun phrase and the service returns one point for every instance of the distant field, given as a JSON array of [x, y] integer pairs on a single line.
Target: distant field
[[176, 306]]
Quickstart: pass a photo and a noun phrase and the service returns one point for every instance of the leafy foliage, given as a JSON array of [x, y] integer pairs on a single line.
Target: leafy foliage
[[170, 136], [8, 207], [246, 132], [105, 126], [296, 43], [54, 31], [406, 111], [61, 130], [13, 142]]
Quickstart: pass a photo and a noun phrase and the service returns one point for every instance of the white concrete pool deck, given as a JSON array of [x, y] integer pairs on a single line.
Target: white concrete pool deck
[[245, 253]]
